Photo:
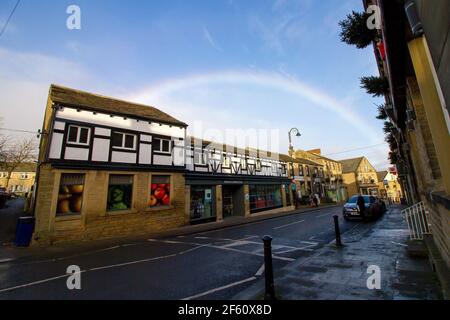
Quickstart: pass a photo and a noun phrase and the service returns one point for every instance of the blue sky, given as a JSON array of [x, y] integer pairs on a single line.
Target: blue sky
[[215, 64]]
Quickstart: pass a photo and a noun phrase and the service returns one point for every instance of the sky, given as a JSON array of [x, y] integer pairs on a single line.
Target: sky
[[231, 69]]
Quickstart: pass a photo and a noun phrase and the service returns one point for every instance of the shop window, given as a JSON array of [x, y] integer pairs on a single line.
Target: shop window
[[264, 197], [120, 192], [288, 189], [159, 192], [161, 145], [78, 135], [70, 197], [123, 141], [201, 203]]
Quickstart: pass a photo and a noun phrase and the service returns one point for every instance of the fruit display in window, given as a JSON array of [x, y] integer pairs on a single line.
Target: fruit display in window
[[152, 201], [159, 195], [64, 206], [166, 200], [75, 203], [76, 188]]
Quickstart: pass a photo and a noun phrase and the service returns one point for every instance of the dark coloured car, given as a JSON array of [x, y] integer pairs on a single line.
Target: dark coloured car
[[374, 208]]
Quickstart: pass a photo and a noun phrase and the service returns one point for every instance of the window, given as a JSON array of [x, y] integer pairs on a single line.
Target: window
[[300, 169], [78, 135], [70, 197], [4, 175], [199, 158], [123, 141], [264, 197], [120, 192], [292, 173], [161, 145], [307, 171], [24, 176], [202, 204], [159, 191], [226, 162], [258, 165]]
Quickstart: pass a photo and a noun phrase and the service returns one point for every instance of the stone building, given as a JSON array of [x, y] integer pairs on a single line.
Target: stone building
[[415, 35], [111, 168], [359, 176], [21, 180], [389, 186]]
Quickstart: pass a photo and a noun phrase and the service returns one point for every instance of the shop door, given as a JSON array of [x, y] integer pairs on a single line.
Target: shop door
[[227, 200]]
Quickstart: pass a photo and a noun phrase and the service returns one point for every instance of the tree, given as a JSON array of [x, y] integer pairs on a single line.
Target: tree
[[388, 127], [354, 30], [376, 86], [382, 115], [15, 153]]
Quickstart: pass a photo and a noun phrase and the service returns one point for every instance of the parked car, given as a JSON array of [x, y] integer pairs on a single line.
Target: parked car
[[374, 208]]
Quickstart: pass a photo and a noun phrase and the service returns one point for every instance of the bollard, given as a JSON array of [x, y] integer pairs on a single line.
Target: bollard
[[337, 231], [268, 268]]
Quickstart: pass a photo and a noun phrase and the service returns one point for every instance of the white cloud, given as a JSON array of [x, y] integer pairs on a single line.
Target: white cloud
[[210, 39]]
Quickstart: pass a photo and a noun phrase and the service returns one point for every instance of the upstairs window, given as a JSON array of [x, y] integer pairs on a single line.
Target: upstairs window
[[78, 135], [300, 169], [200, 158], [226, 162], [161, 145], [123, 141]]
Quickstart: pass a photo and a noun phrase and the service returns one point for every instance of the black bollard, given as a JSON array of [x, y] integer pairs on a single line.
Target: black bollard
[[268, 268], [337, 231]]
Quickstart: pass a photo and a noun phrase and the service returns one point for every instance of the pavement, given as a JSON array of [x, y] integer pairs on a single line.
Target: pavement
[[342, 273], [8, 220]]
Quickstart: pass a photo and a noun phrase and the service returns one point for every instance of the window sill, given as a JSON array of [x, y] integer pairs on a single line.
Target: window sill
[[162, 208], [70, 217], [121, 212]]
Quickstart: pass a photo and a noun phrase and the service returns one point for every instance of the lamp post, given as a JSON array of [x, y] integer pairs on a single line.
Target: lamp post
[[291, 148]]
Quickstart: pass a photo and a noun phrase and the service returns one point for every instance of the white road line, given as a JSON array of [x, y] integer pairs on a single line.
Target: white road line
[[400, 244], [192, 249], [287, 225], [6, 260], [202, 238], [260, 271], [220, 288], [36, 282], [132, 262], [324, 215]]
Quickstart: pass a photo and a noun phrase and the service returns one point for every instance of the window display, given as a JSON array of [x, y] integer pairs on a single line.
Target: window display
[[70, 197], [120, 192], [264, 197], [201, 203], [159, 191]]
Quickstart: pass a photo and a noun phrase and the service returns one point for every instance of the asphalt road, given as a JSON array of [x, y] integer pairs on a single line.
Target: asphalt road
[[8, 219], [210, 265]]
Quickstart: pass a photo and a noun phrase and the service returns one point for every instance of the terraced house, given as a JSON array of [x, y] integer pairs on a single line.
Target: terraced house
[[359, 176], [109, 167]]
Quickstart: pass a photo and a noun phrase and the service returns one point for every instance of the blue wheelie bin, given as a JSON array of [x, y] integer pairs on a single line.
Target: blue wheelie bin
[[24, 231]]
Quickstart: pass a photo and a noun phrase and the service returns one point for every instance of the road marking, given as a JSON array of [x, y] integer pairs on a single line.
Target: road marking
[[36, 282], [323, 215], [6, 260], [202, 238], [400, 244], [260, 271], [287, 225], [192, 249], [220, 288], [131, 262]]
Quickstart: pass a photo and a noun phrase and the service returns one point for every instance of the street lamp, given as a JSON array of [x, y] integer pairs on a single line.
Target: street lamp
[[291, 148]]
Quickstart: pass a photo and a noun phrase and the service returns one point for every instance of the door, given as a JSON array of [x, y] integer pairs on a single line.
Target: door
[[227, 202]]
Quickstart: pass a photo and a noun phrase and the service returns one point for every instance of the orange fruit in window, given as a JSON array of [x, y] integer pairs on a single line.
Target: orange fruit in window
[[75, 204], [76, 188], [152, 201], [63, 206]]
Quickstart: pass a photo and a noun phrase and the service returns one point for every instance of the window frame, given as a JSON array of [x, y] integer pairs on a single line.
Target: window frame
[[133, 194], [78, 143], [149, 192], [123, 147], [161, 140], [203, 156]]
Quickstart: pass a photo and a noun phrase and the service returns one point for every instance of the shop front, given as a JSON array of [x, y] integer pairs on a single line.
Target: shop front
[[265, 197], [202, 204]]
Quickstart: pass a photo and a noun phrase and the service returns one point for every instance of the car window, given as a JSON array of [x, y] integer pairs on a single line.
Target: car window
[[353, 199]]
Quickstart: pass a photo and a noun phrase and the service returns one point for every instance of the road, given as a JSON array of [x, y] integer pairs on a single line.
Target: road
[[8, 219], [210, 265]]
